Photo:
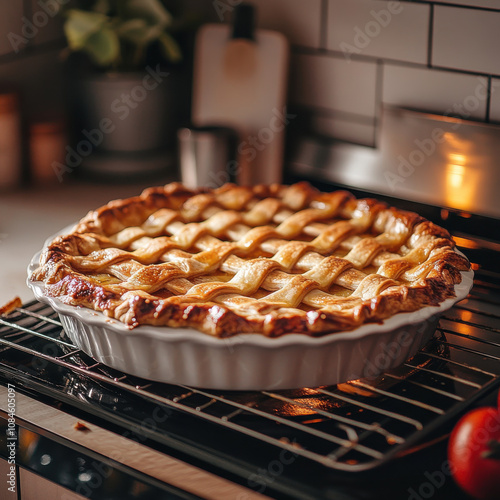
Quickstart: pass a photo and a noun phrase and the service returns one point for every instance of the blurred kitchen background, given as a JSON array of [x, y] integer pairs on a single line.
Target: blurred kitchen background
[[400, 100], [347, 58]]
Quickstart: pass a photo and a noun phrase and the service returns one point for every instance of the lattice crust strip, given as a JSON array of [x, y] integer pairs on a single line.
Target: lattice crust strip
[[268, 259]]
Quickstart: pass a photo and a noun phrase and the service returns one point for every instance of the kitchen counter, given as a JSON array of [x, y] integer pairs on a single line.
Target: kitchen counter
[[29, 216]]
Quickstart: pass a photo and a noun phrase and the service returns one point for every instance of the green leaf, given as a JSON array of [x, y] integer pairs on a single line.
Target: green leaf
[[152, 11], [80, 25], [123, 35], [103, 47], [170, 48]]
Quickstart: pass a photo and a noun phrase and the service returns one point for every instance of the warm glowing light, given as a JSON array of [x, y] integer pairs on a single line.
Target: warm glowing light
[[28, 442], [289, 410], [466, 315], [462, 176], [308, 391], [313, 421], [456, 174], [465, 242], [349, 388], [302, 408], [457, 159], [391, 440], [461, 180], [464, 329]]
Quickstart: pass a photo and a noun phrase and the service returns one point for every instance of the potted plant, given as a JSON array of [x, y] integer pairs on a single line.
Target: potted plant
[[124, 89]]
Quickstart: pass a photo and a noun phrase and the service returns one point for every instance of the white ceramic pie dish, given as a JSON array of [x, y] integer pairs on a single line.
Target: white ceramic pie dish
[[248, 361]]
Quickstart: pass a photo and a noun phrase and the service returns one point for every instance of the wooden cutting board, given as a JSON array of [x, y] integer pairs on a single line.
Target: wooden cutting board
[[242, 84]]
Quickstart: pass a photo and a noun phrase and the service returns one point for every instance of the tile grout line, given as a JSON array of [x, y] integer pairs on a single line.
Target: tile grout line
[[378, 99], [333, 113], [458, 5], [488, 100], [430, 38], [334, 54]]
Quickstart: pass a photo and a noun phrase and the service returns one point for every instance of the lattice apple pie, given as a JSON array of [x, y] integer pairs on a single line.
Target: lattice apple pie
[[267, 259]]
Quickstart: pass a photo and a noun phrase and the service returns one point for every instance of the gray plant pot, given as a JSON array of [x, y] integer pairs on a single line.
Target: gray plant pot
[[128, 112]]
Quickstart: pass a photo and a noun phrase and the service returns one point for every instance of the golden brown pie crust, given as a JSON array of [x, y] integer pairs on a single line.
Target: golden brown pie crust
[[265, 259]]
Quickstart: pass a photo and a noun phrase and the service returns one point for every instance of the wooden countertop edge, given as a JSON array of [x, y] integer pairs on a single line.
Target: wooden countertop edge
[[128, 452]]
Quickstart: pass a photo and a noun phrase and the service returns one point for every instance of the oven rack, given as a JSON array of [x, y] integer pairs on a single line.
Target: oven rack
[[353, 426]]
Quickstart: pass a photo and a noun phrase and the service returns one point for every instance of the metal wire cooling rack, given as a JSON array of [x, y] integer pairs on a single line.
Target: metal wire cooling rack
[[351, 426]]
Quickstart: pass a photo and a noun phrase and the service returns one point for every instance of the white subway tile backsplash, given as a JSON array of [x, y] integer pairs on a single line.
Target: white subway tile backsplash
[[487, 4], [334, 83], [298, 20], [339, 92], [343, 129], [393, 30], [466, 39], [11, 23], [435, 90]]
